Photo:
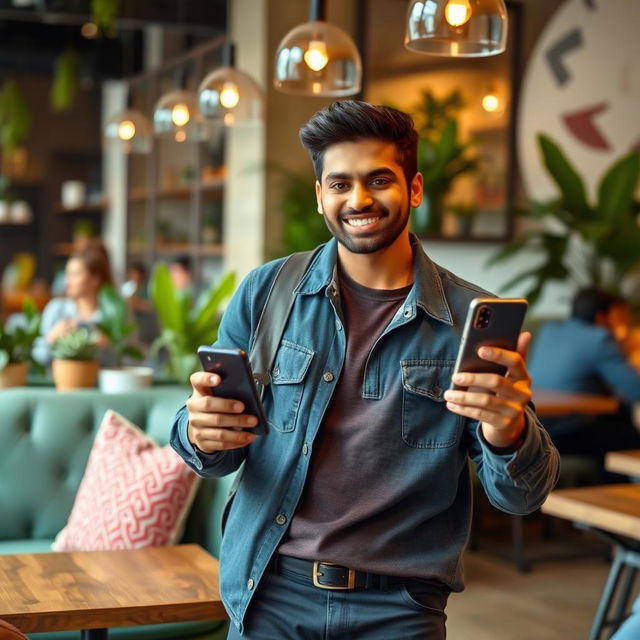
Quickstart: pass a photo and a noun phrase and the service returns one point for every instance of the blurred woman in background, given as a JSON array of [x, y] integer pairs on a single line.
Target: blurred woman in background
[[86, 271]]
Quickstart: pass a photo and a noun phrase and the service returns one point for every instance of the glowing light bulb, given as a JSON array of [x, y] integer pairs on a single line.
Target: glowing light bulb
[[457, 12], [180, 115], [229, 96], [316, 55], [490, 103], [126, 130]]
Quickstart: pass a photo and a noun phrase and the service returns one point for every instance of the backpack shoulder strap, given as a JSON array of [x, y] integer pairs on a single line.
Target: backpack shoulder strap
[[274, 315]]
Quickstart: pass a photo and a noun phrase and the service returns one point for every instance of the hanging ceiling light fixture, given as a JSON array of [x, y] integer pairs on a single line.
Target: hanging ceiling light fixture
[[457, 28], [228, 95], [130, 129], [176, 114], [318, 59]]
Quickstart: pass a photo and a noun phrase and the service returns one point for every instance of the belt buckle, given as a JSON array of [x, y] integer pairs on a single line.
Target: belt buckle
[[351, 577]]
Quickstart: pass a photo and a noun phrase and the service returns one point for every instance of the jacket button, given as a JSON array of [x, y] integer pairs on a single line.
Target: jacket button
[[407, 313], [338, 325], [276, 372], [305, 449], [250, 584], [328, 376], [281, 519]]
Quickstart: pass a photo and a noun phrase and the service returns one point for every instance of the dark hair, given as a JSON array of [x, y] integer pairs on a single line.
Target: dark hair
[[589, 302], [352, 120], [95, 258], [184, 261]]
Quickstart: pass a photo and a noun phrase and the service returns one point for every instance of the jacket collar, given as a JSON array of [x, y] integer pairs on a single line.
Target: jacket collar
[[427, 292]]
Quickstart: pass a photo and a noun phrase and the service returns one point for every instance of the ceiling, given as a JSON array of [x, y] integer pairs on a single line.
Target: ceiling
[[34, 32]]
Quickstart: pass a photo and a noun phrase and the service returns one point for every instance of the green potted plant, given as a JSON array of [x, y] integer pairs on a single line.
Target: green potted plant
[[118, 327], [15, 347], [186, 325], [442, 157], [592, 244], [75, 360]]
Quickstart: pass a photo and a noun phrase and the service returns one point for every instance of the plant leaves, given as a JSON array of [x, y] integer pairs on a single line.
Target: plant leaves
[[164, 298], [617, 188], [566, 178]]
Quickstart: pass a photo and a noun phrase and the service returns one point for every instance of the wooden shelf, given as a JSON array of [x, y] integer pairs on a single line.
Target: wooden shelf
[[209, 189], [87, 207], [175, 248]]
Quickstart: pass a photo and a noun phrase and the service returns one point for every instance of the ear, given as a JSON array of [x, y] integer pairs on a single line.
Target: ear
[[416, 190], [319, 198]]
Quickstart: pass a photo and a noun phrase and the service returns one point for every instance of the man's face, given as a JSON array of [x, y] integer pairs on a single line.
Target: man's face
[[363, 195]]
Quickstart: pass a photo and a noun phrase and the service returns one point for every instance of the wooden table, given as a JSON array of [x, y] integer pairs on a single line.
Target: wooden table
[[613, 511], [95, 590], [560, 403], [624, 462]]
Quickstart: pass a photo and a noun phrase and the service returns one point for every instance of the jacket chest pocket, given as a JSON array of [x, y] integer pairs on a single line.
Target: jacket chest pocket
[[282, 401], [426, 421]]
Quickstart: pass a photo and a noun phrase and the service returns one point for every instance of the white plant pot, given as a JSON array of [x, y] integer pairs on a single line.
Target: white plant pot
[[124, 379]]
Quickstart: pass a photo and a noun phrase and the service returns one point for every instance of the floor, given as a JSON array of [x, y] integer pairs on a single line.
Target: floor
[[556, 600]]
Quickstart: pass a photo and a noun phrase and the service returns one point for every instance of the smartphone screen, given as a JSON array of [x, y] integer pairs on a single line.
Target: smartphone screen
[[491, 322], [232, 365]]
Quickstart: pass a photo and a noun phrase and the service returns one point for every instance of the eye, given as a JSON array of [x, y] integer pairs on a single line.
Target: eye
[[380, 182], [338, 186]]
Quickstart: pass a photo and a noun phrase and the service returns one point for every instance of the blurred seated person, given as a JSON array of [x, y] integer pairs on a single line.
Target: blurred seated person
[[181, 274], [583, 354], [87, 269], [135, 292]]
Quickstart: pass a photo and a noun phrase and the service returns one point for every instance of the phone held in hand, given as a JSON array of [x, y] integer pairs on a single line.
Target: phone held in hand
[[232, 365], [490, 322]]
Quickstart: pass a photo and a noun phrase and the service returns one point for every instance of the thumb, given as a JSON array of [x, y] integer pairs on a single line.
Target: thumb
[[524, 340]]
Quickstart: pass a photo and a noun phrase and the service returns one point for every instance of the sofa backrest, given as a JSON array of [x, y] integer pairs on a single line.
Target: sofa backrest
[[45, 440]]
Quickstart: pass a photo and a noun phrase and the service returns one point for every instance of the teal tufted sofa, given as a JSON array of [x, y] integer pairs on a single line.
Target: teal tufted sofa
[[46, 438]]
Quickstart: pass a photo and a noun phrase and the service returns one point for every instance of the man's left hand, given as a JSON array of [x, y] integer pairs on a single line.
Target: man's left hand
[[498, 402]]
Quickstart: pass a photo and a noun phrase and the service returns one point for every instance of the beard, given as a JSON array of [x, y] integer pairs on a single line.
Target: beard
[[387, 232]]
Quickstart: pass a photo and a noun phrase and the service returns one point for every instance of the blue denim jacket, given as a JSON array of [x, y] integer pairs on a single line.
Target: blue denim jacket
[[417, 351]]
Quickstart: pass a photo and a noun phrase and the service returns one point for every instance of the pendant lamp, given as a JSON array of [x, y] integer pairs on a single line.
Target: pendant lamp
[[176, 114], [457, 28], [130, 130], [229, 96], [318, 59]]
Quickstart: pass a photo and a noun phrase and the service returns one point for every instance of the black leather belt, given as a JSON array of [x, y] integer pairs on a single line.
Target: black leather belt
[[327, 575]]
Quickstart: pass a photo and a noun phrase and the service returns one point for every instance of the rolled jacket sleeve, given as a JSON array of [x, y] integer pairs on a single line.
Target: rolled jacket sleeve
[[518, 482]]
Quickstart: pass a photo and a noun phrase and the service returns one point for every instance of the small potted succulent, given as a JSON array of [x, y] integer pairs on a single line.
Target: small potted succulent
[[75, 362], [15, 347]]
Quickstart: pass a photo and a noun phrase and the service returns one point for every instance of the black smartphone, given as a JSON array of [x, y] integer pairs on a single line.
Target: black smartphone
[[232, 365], [491, 322]]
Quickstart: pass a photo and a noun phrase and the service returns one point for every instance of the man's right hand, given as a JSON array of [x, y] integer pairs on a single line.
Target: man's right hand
[[213, 420]]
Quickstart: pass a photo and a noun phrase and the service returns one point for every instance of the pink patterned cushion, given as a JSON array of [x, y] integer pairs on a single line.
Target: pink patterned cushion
[[133, 494]]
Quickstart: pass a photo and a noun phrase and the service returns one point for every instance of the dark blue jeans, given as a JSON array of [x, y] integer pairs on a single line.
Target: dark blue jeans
[[288, 607]]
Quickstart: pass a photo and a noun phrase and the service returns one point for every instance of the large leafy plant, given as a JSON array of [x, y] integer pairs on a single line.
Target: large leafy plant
[[595, 244], [442, 156], [16, 343], [116, 324], [185, 324]]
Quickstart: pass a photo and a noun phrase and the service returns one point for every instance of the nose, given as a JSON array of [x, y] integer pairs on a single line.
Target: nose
[[360, 198]]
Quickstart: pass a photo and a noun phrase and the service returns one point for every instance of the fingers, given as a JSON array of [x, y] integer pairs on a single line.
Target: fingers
[[214, 422], [524, 340]]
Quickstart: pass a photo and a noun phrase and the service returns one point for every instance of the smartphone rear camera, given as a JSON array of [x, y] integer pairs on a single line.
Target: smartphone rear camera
[[483, 317]]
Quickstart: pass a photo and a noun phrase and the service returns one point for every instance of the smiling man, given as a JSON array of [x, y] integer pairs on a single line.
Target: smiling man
[[353, 511]]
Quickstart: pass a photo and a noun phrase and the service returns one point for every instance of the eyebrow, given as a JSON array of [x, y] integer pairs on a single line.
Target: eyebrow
[[337, 175]]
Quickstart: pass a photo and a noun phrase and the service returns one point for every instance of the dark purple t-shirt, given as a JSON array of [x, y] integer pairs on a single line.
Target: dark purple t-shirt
[[347, 496]]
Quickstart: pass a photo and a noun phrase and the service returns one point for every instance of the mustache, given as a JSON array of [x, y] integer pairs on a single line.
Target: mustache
[[377, 209]]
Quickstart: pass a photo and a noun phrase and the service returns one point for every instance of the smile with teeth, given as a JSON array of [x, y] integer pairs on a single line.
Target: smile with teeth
[[361, 222]]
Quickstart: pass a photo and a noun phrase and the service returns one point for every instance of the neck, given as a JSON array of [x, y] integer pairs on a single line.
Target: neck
[[86, 305], [389, 268]]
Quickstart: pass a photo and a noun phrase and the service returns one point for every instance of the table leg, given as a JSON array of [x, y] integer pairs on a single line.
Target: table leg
[[94, 634]]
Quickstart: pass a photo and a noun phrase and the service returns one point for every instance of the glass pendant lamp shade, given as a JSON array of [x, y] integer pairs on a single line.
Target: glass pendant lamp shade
[[131, 130], [457, 28], [176, 115], [318, 59], [229, 96]]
